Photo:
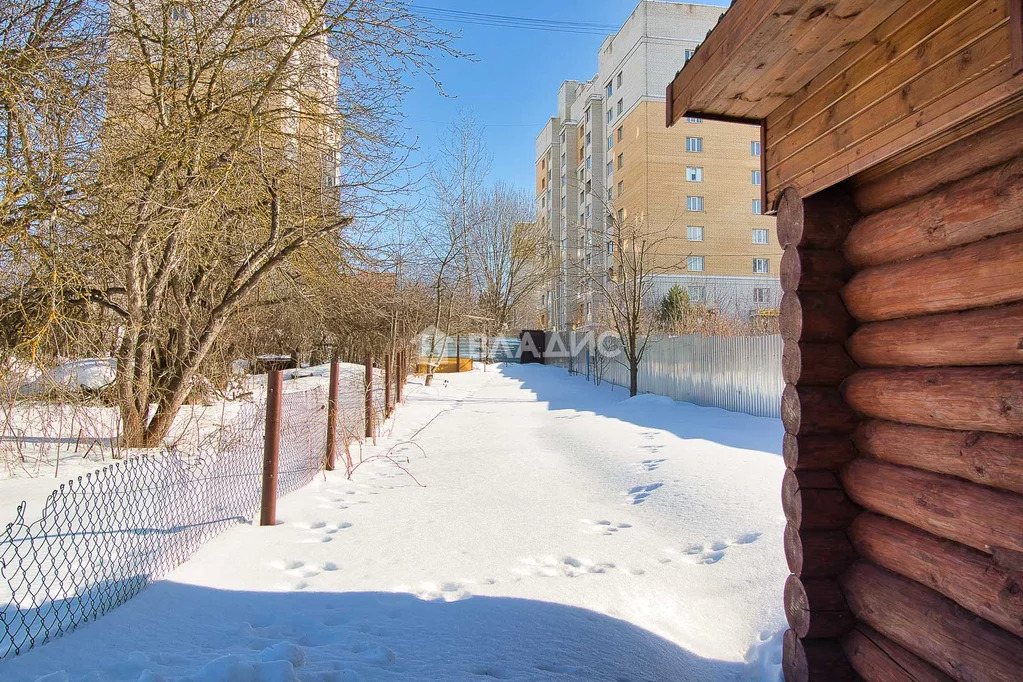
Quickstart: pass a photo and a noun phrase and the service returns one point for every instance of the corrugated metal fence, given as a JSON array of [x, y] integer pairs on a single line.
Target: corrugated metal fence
[[738, 373], [498, 348]]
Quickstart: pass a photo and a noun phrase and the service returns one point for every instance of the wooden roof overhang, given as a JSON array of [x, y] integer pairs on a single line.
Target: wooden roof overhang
[[848, 87]]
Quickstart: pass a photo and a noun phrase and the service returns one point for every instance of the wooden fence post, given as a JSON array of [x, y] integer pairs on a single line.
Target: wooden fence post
[[369, 396], [271, 447], [331, 455]]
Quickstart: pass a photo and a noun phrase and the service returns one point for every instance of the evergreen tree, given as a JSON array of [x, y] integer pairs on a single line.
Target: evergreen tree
[[675, 308]]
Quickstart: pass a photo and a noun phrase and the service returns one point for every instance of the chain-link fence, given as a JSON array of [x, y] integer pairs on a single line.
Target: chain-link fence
[[103, 537]]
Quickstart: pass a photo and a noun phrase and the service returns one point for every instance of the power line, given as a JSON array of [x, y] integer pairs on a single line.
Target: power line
[[483, 125], [506, 21]]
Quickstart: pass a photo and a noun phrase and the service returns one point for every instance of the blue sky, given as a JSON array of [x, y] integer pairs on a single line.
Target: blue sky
[[513, 84]]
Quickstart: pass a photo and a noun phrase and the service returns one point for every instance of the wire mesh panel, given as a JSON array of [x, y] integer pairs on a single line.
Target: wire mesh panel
[[103, 537]]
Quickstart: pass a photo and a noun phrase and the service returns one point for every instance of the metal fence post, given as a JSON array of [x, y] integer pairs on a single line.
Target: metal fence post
[[331, 455], [399, 379], [271, 447], [388, 377], [369, 396]]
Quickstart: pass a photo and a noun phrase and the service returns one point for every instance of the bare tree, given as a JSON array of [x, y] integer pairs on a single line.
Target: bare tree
[[512, 255], [457, 179], [237, 135], [638, 257], [49, 108]]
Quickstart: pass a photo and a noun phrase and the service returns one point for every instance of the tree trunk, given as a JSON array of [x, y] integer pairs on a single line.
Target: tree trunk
[[633, 378]]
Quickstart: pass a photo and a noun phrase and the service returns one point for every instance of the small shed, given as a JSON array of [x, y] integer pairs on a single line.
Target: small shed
[[892, 154]]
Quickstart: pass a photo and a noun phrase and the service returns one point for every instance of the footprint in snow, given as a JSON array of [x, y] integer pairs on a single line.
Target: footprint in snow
[[714, 552], [449, 591], [321, 531], [602, 527], [638, 494], [566, 567], [651, 465]]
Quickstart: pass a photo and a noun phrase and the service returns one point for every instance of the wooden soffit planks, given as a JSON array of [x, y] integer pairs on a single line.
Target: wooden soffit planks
[[763, 51], [847, 86]]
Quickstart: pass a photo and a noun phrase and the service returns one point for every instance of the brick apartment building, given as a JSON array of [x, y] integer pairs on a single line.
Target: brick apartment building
[[608, 157]]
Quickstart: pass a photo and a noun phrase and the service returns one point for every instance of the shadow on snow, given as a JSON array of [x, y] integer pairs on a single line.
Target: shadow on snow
[[562, 391], [214, 635]]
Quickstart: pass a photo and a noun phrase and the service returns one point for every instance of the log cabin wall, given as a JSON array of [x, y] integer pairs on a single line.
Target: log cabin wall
[[819, 425], [893, 152], [928, 353], [938, 299]]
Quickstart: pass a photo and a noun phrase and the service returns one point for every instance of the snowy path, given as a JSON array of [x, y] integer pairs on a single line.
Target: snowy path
[[563, 533]]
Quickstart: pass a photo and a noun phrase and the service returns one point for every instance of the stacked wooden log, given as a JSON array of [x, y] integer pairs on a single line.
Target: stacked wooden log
[[903, 412], [938, 587], [815, 327]]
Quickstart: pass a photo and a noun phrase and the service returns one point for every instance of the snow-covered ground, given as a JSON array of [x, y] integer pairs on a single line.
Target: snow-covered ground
[[563, 531]]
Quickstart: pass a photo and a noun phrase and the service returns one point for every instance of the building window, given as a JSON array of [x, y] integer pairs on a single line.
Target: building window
[[178, 13], [621, 187], [694, 174], [689, 54], [621, 133], [610, 114], [694, 233], [618, 79], [589, 163], [610, 247], [756, 207], [761, 266], [610, 167], [587, 115], [761, 295], [621, 107], [694, 203], [697, 294], [755, 176], [694, 263], [759, 236], [610, 194], [610, 141], [694, 119], [694, 144], [621, 216], [754, 148], [588, 138], [609, 89], [621, 160]]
